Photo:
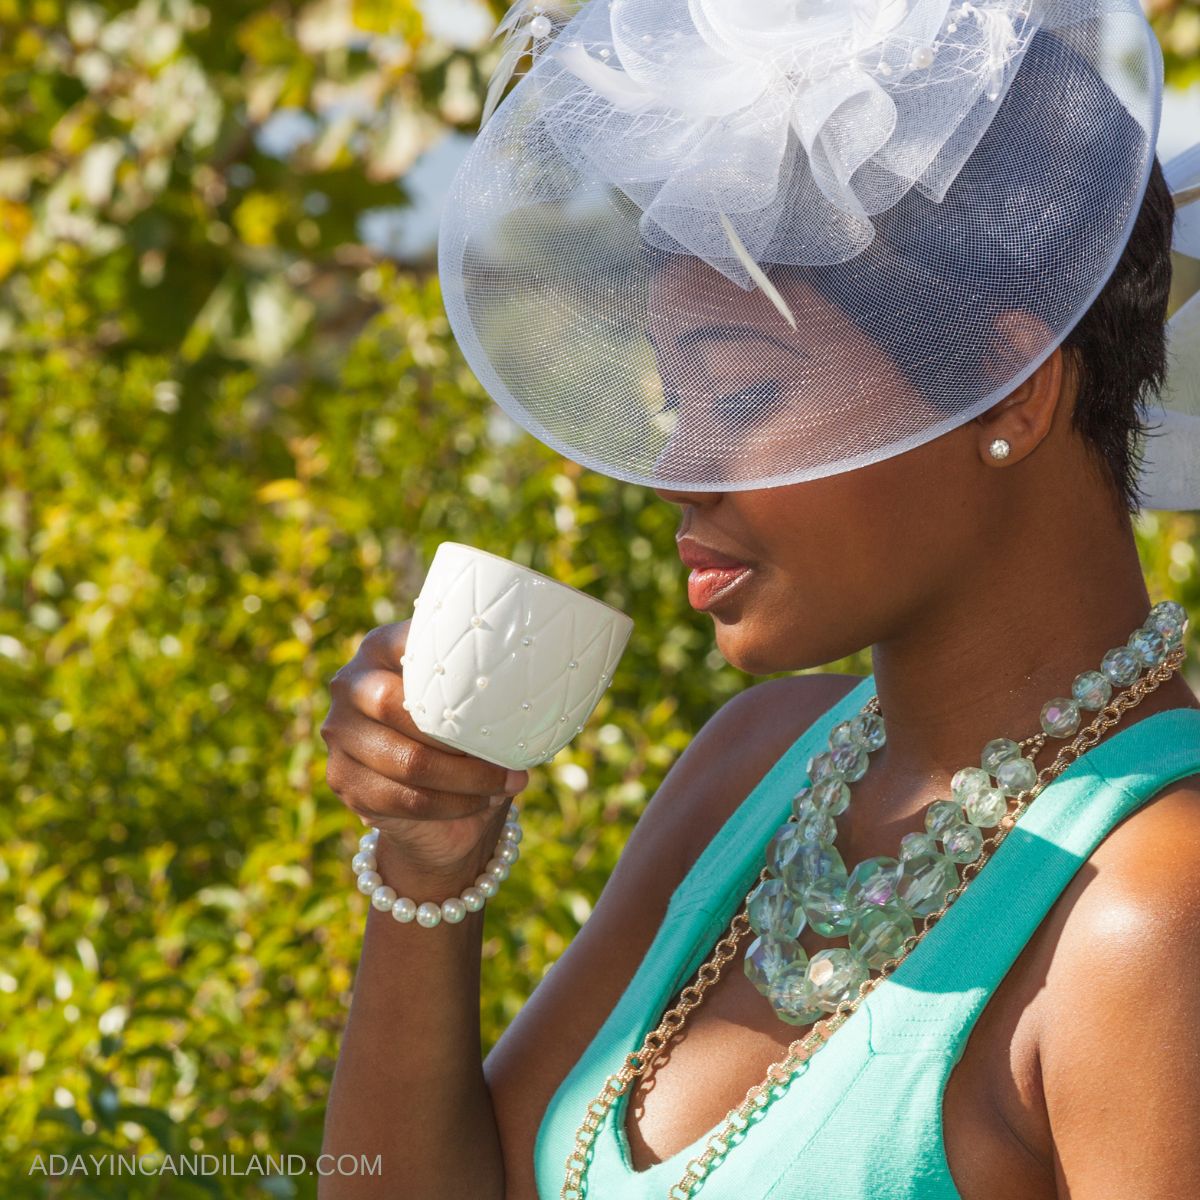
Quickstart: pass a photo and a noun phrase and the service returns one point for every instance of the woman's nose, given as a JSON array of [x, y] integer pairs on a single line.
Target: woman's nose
[[688, 458]]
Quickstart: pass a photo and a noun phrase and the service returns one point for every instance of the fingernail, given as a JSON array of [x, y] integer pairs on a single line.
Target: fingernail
[[496, 801], [514, 781]]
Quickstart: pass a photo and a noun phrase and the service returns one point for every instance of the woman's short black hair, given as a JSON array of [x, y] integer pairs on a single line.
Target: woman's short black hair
[[1119, 347]]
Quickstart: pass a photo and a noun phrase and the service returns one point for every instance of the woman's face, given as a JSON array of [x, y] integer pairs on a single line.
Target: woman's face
[[839, 562]]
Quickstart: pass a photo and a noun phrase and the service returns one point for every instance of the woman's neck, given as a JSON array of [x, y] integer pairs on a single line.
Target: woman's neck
[[979, 662]]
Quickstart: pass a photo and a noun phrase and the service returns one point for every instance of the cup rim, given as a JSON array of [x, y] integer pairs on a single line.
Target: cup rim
[[539, 575]]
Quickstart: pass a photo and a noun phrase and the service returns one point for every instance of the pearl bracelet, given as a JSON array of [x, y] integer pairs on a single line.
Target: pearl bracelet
[[452, 910]]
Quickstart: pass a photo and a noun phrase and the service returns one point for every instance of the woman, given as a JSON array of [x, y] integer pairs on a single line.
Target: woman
[[981, 545]]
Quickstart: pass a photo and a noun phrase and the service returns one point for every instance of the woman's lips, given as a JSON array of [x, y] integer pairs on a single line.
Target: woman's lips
[[708, 586], [713, 574]]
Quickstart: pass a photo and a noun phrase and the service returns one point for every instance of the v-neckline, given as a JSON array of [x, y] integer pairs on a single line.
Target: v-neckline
[[938, 932]]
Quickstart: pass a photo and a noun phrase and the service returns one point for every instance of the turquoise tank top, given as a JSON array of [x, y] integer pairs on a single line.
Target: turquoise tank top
[[862, 1119]]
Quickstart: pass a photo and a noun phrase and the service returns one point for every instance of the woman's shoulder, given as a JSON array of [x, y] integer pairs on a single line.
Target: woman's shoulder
[[1120, 1006], [736, 747]]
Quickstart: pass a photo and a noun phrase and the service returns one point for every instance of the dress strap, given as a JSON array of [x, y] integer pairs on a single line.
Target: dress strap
[[933, 998]]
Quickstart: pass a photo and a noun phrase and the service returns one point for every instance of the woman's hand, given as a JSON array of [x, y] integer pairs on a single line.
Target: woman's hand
[[435, 805]]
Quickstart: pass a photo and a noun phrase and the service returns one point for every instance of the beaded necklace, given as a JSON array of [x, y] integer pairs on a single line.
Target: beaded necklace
[[806, 880]]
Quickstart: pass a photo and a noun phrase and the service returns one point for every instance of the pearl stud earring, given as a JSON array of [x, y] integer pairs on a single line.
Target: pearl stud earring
[[999, 448]]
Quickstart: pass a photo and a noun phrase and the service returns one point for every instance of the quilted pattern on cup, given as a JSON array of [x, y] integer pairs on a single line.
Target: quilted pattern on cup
[[506, 691]]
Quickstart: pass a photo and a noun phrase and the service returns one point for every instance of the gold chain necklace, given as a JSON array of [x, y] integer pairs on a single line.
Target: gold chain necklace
[[779, 1074]]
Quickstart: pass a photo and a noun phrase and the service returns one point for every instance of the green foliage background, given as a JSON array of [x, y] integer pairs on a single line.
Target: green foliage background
[[231, 437]]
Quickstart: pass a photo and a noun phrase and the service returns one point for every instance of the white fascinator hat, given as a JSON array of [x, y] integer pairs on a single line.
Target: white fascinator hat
[[717, 246]]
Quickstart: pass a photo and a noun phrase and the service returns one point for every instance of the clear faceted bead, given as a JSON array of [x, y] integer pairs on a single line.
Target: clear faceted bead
[[868, 730], [967, 782], [832, 794], [873, 882], [1121, 666], [1060, 717], [791, 997], [1170, 620], [783, 847], [1149, 645], [819, 766], [924, 882], [826, 906], [851, 762], [817, 826], [841, 735], [1091, 690], [963, 843], [773, 910], [767, 957], [912, 844], [996, 751], [802, 800], [986, 808], [941, 815], [878, 934], [835, 976], [1016, 775], [812, 861]]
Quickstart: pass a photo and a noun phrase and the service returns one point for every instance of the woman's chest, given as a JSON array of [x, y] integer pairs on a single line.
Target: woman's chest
[[991, 1116]]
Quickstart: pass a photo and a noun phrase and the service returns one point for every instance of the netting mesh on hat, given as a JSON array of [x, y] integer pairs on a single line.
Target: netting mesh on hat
[[935, 193]]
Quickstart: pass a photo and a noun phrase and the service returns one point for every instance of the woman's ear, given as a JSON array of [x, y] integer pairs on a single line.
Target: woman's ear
[[1025, 416]]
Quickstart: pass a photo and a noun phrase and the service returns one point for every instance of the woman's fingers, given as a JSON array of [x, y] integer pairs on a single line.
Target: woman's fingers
[[414, 760]]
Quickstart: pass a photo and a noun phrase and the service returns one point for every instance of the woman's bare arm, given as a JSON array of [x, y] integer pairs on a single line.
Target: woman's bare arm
[[409, 1084], [1120, 1049]]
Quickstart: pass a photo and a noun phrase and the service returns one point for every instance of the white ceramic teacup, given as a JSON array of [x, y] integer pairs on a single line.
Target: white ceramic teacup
[[504, 662]]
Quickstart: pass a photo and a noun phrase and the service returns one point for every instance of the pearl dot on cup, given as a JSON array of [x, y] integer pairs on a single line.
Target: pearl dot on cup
[[525, 705], [439, 668], [483, 729], [481, 682], [572, 664], [476, 620], [527, 641], [447, 714], [563, 717], [520, 745]]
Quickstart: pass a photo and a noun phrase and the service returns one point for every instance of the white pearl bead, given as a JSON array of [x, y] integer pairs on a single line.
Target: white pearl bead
[[447, 714], [526, 641], [604, 52], [497, 869], [922, 57], [511, 833], [520, 745], [484, 730], [481, 682], [514, 811], [539, 27], [572, 664], [383, 897], [476, 621], [884, 69], [525, 705], [369, 841], [473, 899], [487, 885], [508, 853], [368, 881], [429, 914], [453, 910], [404, 910], [364, 860]]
